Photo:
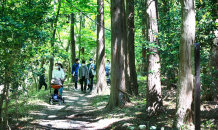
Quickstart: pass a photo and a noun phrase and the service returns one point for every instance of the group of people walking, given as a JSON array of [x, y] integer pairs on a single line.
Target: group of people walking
[[81, 72], [84, 73]]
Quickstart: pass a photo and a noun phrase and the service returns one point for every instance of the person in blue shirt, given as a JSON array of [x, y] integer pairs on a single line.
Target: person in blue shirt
[[75, 68], [92, 72]]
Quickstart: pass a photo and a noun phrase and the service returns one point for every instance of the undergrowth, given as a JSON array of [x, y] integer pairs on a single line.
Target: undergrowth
[[20, 105]]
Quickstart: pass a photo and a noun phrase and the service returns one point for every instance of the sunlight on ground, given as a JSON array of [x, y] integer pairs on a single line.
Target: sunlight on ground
[[75, 102], [52, 116], [67, 124]]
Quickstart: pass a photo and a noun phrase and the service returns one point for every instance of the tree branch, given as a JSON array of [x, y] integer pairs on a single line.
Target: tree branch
[[124, 92]]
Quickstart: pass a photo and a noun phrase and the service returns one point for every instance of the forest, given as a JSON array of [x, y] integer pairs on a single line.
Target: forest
[[163, 56]]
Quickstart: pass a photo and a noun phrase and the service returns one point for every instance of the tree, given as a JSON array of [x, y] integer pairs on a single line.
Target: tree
[[184, 113], [154, 99], [21, 22], [118, 46], [80, 27], [72, 41], [131, 46], [54, 25], [214, 47], [144, 49], [101, 81], [214, 68]]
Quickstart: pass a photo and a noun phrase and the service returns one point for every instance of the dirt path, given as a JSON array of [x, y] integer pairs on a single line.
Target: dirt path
[[76, 113]]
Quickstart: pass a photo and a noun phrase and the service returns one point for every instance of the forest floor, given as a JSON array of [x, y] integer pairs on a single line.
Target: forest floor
[[86, 111]]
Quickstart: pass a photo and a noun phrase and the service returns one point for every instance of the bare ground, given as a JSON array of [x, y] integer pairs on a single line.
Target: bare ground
[[79, 113]]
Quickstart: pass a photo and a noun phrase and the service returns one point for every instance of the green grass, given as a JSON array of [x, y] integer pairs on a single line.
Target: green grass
[[26, 102]]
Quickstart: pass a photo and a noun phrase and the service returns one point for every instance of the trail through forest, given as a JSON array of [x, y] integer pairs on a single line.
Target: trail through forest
[[79, 112], [76, 113]]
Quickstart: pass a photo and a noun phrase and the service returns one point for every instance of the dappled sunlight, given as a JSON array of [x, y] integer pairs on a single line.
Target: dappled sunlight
[[38, 113], [78, 112], [52, 116], [62, 124]]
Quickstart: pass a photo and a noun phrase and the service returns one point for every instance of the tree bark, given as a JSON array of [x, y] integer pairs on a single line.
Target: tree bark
[[214, 69], [72, 45], [1, 104], [184, 112], [154, 99], [41, 66], [101, 81], [127, 60], [118, 46], [54, 25], [80, 25], [2, 101], [6, 105], [214, 61], [144, 51], [131, 47]]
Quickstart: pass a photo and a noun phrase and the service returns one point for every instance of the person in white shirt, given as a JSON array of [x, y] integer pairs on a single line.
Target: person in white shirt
[[57, 73], [62, 70]]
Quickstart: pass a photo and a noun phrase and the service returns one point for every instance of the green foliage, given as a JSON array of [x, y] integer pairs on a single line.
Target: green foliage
[[27, 101], [26, 34], [208, 125], [100, 100], [205, 26]]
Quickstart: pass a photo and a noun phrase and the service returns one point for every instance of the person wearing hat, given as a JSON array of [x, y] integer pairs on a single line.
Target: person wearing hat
[[92, 72]]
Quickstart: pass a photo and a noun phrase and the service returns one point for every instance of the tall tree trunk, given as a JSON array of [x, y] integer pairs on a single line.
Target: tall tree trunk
[[72, 45], [41, 66], [6, 105], [66, 64], [154, 99], [131, 47], [51, 61], [214, 69], [69, 71], [2, 125], [184, 97], [144, 51], [80, 27], [2, 95], [101, 81], [118, 46], [1, 104], [34, 76], [54, 25], [6, 87], [214, 61], [127, 60]]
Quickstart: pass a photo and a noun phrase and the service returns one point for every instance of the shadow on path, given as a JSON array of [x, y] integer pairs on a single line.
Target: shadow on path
[[76, 113]]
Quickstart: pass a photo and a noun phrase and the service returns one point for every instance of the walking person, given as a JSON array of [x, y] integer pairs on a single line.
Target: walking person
[[83, 76], [42, 79], [108, 71], [58, 74], [75, 68], [92, 72]]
